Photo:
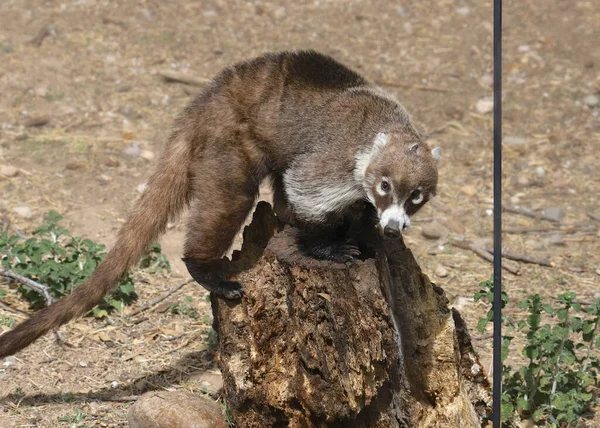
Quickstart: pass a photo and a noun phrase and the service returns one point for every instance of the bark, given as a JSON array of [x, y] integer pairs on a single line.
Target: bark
[[365, 344]]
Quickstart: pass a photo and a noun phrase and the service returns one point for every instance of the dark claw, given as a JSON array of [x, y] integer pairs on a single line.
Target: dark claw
[[203, 273]]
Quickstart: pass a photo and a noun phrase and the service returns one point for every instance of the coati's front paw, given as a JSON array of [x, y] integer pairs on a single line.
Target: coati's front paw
[[339, 253]]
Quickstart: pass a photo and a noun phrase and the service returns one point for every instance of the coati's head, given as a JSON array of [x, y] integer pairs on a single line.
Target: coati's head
[[401, 176]]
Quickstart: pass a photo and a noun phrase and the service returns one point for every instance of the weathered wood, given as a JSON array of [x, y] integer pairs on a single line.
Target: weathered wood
[[366, 344]]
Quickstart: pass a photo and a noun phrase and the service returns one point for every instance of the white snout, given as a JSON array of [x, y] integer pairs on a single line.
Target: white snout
[[394, 218]]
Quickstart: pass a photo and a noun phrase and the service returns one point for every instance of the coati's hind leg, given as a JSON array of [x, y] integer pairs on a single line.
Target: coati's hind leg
[[223, 193]]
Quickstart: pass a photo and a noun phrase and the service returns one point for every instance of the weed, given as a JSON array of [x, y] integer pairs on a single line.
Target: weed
[[74, 421], [61, 262], [184, 308], [554, 384]]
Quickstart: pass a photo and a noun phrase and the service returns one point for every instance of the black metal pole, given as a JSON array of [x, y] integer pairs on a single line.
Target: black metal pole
[[497, 391]]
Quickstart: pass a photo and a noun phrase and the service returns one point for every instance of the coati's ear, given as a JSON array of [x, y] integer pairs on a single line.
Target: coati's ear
[[437, 154]]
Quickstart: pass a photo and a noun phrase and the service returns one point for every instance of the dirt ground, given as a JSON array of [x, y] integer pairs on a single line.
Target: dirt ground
[[95, 76]]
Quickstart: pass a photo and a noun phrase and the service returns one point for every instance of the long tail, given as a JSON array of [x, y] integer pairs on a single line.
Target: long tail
[[166, 195]]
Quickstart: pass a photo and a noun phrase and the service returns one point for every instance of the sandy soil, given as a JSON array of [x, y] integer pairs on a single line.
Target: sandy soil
[[96, 77]]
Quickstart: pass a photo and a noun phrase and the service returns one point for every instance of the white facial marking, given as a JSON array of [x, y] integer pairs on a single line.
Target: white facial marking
[[419, 198], [365, 157], [394, 212]]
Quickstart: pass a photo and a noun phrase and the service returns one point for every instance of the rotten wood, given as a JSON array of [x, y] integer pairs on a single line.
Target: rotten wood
[[365, 344]]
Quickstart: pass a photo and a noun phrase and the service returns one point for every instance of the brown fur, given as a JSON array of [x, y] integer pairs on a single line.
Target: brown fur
[[299, 115]]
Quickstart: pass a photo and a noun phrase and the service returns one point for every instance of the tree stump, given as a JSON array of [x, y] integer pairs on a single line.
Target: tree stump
[[365, 344]]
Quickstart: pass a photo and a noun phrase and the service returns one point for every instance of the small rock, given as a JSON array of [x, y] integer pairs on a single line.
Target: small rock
[[440, 271], [132, 150], [279, 13], [489, 212], [83, 364], [147, 154], [555, 214], [484, 105], [141, 188], [486, 80], [73, 165], [114, 384], [9, 361], [591, 100], [9, 171], [41, 91], [463, 10], [433, 230], [555, 239], [23, 211], [175, 409], [36, 121], [105, 178], [469, 190], [111, 162], [540, 172], [514, 141]]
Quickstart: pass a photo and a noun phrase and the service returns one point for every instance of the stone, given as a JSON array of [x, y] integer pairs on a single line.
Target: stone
[[9, 171], [591, 100], [36, 121], [484, 105], [469, 190], [433, 230], [132, 150], [175, 409], [23, 211], [514, 141], [147, 154], [141, 188], [555, 214], [73, 165], [540, 172], [440, 271], [463, 10], [111, 162], [105, 178]]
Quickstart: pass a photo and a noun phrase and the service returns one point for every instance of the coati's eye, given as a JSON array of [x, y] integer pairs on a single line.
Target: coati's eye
[[385, 186], [416, 197]]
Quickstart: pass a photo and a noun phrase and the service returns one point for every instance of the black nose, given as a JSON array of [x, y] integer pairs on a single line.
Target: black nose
[[392, 230]]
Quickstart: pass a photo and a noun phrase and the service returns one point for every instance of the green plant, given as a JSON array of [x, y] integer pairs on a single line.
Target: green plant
[[61, 262], [184, 308], [154, 260], [74, 420], [555, 383], [7, 321]]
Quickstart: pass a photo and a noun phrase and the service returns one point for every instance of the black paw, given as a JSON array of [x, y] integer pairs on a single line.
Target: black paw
[[206, 274], [339, 253], [230, 290]]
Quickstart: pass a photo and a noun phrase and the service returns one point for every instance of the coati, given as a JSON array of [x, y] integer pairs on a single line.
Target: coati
[[324, 135]]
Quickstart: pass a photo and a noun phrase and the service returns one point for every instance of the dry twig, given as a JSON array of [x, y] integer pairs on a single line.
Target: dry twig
[[159, 299], [45, 31], [172, 76], [481, 252], [528, 213], [410, 86], [522, 258], [42, 289]]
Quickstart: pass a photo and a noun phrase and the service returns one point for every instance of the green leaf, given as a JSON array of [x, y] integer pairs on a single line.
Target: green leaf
[[481, 325]]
